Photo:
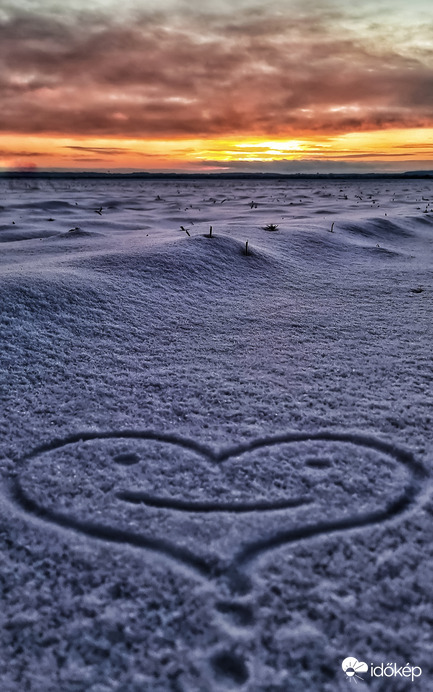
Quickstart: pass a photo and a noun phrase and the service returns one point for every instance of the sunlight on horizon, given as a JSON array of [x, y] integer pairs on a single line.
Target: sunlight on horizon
[[45, 151]]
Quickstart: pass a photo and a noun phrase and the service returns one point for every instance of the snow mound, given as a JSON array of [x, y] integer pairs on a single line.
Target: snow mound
[[186, 260], [9, 234], [79, 234]]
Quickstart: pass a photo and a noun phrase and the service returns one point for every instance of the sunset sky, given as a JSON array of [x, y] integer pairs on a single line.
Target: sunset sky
[[217, 85]]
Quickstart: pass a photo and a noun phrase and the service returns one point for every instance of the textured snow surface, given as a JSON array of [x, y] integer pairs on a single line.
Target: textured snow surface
[[216, 465]]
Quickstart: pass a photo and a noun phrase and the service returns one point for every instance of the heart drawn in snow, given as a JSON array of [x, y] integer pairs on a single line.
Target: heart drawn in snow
[[215, 510]]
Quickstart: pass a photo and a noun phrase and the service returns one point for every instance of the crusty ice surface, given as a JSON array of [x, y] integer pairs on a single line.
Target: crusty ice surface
[[216, 465]]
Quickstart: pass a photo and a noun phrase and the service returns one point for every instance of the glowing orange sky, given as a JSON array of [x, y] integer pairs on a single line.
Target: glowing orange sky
[[212, 154], [205, 86]]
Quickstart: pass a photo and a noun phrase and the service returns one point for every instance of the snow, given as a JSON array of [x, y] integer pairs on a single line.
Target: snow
[[215, 465]]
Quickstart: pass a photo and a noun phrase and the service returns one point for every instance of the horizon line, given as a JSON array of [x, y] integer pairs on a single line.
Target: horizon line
[[210, 175]]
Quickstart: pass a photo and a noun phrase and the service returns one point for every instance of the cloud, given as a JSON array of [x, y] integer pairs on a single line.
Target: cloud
[[313, 166], [20, 154], [109, 151], [172, 75]]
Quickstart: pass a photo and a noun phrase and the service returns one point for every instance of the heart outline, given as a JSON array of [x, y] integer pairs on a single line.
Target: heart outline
[[251, 549]]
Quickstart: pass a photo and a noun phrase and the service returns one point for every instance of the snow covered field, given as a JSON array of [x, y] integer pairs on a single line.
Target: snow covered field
[[215, 465]]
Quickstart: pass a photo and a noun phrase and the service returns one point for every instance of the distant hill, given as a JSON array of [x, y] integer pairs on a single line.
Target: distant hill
[[147, 175]]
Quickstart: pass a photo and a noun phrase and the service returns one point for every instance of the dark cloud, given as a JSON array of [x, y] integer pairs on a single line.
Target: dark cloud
[[20, 154], [426, 147], [314, 166], [252, 73], [109, 151], [115, 151]]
